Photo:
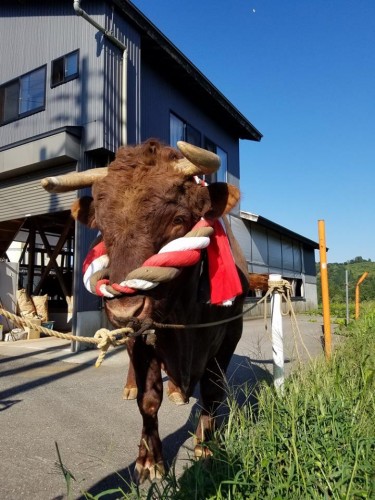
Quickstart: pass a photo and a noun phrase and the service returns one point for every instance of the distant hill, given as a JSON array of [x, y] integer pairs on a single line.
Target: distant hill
[[336, 280]]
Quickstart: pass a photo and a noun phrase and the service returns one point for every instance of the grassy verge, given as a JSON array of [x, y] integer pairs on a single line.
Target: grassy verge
[[316, 440], [338, 312]]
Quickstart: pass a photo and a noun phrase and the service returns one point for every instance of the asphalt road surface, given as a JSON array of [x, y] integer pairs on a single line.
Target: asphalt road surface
[[50, 395]]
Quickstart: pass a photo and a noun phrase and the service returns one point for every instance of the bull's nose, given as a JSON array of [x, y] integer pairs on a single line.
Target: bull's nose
[[130, 307]]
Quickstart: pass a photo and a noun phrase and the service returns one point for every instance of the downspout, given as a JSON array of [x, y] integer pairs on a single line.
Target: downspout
[[124, 119], [124, 86]]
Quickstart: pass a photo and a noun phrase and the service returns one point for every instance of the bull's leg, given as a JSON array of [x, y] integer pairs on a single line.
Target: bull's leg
[[212, 389], [130, 388], [149, 463]]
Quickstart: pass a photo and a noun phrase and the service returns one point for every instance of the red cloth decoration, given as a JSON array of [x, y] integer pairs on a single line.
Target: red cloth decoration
[[224, 280]]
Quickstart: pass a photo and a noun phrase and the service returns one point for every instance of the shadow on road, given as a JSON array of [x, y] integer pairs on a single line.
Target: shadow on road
[[241, 372]]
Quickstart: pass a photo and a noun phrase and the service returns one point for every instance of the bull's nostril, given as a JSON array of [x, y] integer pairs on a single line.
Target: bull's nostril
[[125, 308]]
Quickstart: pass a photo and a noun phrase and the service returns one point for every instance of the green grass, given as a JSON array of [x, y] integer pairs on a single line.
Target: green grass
[[338, 313], [314, 441]]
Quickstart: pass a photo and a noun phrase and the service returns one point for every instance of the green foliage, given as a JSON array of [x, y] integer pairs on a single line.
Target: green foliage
[[336, 280], [315, 440], [68, 476]]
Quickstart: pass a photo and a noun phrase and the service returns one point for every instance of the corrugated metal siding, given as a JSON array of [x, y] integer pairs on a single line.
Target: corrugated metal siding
[[113, 79], [112, 101], [268, 251], [25, 196], [35, 33], [134, 92]]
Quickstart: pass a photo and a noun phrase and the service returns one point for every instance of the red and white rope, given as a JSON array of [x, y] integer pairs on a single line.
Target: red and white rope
[[182, 252], [168, 263]]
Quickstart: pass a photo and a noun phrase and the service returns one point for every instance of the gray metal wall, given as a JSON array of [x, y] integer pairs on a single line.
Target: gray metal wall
[[35, 33], [113, 71], [24, 196], [50, 30], [267, 251]]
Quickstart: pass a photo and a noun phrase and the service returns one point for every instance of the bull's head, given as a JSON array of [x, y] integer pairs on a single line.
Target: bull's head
[[145, 198]]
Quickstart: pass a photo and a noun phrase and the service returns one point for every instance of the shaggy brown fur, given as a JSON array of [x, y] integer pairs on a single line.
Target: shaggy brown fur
[[142, 204]]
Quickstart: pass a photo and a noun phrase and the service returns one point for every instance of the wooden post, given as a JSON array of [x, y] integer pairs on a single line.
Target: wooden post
[[277, 336], [325, 292], [31, 260]]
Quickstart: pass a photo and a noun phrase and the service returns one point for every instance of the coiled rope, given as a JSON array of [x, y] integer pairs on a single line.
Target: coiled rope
[[284, 288], [161, 267]]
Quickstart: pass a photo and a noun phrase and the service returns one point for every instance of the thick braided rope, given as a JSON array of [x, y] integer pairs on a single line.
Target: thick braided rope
[[162, 267], [103, 338]]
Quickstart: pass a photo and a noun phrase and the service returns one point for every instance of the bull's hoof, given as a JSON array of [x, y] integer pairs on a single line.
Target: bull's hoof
[[177, 398], [129, 393], [202, 451], [153, 473]]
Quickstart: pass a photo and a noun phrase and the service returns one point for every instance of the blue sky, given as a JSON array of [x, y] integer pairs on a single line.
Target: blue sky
[[303, 73]]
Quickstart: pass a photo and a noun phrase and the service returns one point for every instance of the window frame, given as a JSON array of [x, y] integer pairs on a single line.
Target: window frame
[[18, 81], [213, 147], [65, 79], [188, 130]]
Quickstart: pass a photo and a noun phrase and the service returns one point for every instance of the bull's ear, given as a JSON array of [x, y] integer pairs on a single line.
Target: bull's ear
[[83, 211], [223, 197]]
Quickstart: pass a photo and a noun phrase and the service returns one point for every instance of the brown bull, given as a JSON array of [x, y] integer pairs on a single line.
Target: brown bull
[[146, 198]]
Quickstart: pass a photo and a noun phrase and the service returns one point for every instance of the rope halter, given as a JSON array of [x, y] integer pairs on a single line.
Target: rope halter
[[168, 263], [164, 266]]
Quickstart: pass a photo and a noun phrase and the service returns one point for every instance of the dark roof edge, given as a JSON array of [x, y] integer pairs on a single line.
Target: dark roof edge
[[149, 29], [280, 229]]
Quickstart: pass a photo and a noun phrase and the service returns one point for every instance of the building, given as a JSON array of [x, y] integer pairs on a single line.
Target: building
[[272, 249], [75, 86]]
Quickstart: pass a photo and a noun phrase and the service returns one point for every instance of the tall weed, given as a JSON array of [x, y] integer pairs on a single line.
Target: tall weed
[[316, 440]]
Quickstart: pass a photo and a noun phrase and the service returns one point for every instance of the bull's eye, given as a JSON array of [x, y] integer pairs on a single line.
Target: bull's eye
[[101, 196], [178, 220]]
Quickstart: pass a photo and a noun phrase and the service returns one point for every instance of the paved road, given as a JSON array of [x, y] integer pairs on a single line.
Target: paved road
[[49, 394]]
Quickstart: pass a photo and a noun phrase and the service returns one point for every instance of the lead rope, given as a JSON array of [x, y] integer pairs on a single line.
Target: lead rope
[[105, 338]]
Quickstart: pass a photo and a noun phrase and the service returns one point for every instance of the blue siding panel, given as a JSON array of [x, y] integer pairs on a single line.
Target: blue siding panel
[[159, 98]]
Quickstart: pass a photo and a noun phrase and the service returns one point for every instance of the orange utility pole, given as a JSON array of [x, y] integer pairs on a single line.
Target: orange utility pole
[[362, 278], [325, 293]]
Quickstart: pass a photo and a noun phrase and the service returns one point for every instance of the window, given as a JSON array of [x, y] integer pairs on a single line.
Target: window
[[64, 69], [296, 287], [23, 96], [221, 174], [183, 131]]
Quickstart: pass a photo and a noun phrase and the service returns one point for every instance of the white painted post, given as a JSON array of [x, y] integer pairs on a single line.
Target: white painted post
[[277, 335]]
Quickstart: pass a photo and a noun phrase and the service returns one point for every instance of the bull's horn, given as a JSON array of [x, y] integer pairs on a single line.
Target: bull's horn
[[196, 160], [73, 180]]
